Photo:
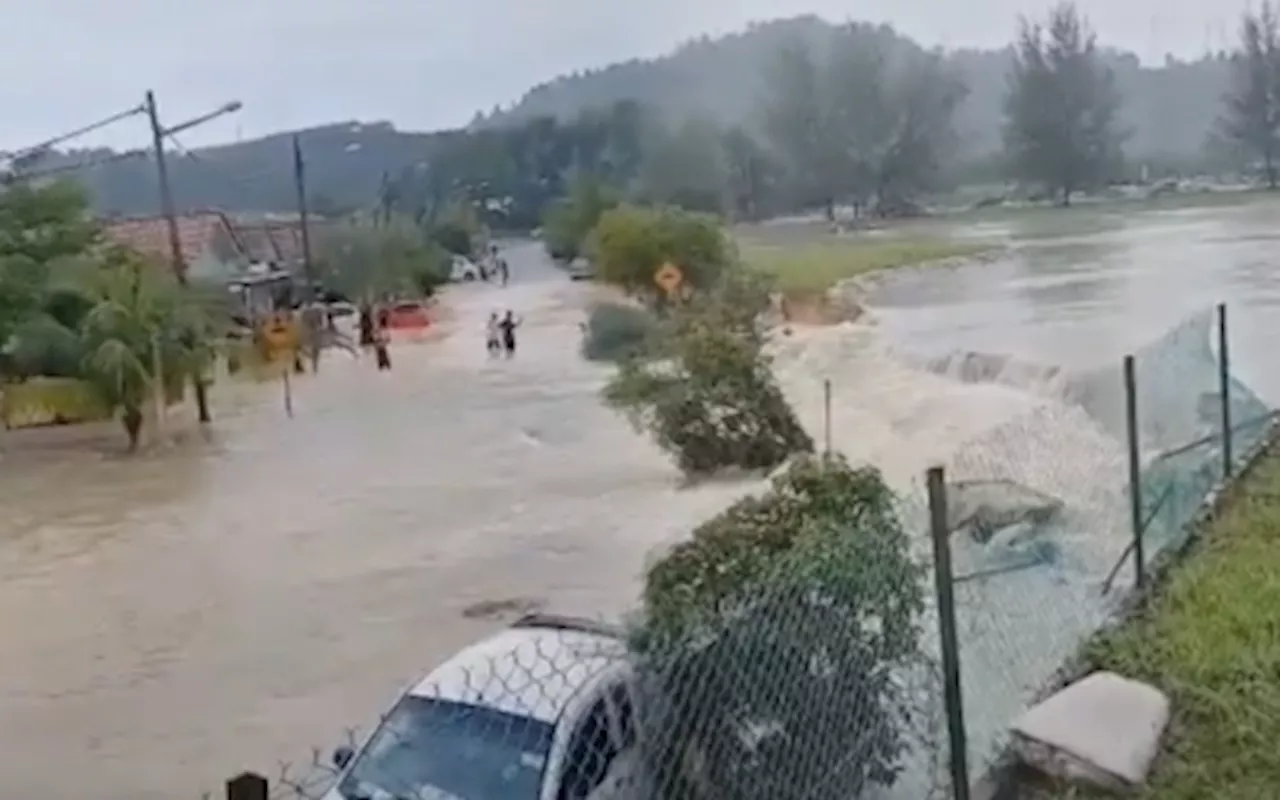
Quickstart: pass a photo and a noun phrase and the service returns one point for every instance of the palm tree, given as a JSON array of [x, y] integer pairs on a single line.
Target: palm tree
[[141, 330]]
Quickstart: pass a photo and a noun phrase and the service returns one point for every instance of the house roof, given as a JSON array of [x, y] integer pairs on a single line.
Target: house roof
[[286, 238], [199, 232], [259, 243]]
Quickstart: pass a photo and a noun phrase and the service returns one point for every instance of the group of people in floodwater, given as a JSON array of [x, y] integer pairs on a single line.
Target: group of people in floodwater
[[500, 330], [500, 334]]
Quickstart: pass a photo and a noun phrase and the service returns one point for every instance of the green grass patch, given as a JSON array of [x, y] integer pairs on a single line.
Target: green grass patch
[[1211, 640], [814, 266]]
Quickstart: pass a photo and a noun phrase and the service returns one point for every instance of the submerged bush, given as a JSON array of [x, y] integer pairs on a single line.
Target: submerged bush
[[710, 400], [616, 331], [773, 642]]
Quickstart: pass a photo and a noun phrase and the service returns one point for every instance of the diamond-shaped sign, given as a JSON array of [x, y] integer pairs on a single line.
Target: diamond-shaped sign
[[668, 277]]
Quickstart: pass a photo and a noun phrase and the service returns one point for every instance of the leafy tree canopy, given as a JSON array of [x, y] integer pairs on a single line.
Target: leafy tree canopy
[[805, 593]]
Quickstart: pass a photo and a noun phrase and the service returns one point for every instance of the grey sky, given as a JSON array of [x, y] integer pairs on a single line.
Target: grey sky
[[426, 65]]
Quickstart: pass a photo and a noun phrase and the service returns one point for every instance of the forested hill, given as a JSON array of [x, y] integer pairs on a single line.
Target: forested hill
[[1169, 111], [346, 164]]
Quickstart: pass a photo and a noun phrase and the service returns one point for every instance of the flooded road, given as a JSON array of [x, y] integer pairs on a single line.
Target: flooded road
[[171, 619], [1083, 288]]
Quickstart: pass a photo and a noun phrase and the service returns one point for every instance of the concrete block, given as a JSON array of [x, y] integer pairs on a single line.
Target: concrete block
[[1103, 730]]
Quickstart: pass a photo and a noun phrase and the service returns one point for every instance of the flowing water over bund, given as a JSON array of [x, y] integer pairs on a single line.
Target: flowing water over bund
[[170, 619]]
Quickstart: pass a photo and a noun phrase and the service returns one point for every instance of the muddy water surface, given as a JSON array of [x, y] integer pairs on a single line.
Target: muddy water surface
[[169, 619]]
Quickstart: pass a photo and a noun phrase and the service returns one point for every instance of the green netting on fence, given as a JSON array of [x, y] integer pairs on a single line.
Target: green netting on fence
[[1040, 510], [1180, 410]]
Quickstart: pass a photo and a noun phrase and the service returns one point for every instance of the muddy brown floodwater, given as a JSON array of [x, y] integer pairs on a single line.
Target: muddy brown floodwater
[[170, 619]]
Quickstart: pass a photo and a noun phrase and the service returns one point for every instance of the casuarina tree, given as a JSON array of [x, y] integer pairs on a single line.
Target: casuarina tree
[[1062, 130], [1251, 106]]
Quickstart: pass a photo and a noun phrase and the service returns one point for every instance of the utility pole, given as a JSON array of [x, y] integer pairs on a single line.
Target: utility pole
[[171, 215], [166, 192], [311, 314]]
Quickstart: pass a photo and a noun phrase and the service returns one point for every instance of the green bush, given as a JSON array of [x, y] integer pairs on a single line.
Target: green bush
[[567, 222], [631, 243], [560, 235], [710, 400], [773, 644], [453, 236], [616, 331], [363, 261], [432, 270]]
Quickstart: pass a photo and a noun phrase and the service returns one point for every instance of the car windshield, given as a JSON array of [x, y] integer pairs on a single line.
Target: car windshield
[[430, 749]]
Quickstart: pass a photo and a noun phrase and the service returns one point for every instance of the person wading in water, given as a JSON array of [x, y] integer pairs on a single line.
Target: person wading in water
[[366, 326], [508, 327], [493, 335], [382, 340]]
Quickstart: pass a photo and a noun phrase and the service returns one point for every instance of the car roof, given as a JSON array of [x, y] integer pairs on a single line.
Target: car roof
[[533, 669]]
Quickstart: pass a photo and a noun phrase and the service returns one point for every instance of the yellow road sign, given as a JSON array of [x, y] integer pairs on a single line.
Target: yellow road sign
[[280, 335], [669, 278]]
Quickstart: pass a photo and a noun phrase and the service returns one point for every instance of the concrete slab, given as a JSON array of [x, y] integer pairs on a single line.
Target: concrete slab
[[1103, 730]]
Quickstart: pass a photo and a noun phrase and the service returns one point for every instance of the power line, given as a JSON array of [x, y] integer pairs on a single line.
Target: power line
[[48, 144], [31, 175]]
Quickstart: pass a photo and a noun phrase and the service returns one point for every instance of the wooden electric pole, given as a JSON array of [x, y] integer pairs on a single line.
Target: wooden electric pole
[[170, 213], [311, 315]]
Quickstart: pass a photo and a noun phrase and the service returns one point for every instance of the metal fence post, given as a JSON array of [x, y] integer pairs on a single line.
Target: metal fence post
[[826, 417], [1224, 389], [944, 586], [1135, 468], [247, 786]]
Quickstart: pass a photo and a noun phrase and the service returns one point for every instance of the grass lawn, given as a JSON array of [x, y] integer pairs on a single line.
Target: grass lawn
[[1211, 640], [813, 266]]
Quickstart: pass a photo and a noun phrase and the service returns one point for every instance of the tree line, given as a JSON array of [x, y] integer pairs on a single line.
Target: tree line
[[867, 121], [854, 114]]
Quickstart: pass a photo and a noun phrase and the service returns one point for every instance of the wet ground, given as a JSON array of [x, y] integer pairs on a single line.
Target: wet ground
[[171, 619]]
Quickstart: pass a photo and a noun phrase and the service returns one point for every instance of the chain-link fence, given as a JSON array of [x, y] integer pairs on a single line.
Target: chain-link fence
[[851, 665], [1046, 535], [797, 693], [813, 680]]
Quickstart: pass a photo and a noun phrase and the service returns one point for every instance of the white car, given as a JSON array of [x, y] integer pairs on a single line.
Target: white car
[[464, 270], [540, 711]]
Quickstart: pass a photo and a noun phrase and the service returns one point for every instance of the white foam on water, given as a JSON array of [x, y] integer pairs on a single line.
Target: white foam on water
[[1037, 593]]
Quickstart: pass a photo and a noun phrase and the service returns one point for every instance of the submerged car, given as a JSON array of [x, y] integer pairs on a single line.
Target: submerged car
[[540, 711]]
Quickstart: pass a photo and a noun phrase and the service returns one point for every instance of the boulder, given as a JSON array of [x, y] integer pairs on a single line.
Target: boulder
[[1103, 730]]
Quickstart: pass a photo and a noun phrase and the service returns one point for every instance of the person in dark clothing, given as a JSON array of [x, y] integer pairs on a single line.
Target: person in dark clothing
[[381, 349], [366, 327], [508, 327], [504, 271]]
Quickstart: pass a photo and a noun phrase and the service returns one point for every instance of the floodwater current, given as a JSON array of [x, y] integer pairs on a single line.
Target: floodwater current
[[170, 619]]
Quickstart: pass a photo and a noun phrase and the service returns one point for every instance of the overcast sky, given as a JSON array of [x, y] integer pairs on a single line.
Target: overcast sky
[[427, 65]]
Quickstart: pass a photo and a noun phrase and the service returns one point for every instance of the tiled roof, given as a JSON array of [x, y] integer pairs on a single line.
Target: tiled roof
[[286, 237], [258, 242], [199, 233]]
